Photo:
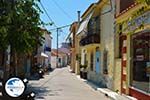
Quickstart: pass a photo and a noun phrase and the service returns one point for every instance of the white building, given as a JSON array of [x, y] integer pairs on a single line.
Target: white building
[[62, 59], [44, 51]]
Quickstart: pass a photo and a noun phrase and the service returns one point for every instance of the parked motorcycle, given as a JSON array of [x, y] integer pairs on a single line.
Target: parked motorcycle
[[41, 73]]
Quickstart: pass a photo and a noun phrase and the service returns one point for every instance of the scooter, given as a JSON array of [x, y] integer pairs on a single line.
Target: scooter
[[41, 73]]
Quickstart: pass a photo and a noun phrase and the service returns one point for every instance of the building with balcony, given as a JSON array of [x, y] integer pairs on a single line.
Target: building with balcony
[[90, 43], [97, 42], [89, 33]]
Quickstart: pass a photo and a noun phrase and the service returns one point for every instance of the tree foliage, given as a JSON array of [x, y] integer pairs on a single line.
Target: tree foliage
[[19, 28], [19, 25]]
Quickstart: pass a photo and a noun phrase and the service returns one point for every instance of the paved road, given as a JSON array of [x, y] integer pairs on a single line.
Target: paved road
[[62, 85]]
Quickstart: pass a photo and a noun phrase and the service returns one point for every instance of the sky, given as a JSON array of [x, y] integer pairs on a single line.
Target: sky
[[62, 12]]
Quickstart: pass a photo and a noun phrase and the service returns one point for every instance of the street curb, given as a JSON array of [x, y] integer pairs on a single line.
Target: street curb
[[106, 91]]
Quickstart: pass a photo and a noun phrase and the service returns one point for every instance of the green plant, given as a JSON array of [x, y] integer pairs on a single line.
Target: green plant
[[78, 57]]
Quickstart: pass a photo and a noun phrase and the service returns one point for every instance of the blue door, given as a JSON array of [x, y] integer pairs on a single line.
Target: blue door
[[97, 63]]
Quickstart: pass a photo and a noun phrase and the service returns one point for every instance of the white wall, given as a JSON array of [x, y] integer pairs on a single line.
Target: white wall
[[47, 42], [53, 61]]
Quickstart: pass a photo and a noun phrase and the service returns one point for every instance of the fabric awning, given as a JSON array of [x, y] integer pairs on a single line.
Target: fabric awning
[[84, 23], [42, 55]]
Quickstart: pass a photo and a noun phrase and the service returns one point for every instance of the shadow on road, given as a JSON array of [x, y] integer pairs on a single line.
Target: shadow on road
[[41, 92]]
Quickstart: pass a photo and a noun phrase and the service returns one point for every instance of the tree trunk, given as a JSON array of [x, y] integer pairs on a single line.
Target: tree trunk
[[12, 70], [15, 63], [6, 73], [3, 57]]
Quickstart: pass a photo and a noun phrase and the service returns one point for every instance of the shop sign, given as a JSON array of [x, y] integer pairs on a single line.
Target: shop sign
[[148, 69], [137, 22], [140, 57]]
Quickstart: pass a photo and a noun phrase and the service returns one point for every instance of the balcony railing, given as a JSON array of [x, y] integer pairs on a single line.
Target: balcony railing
[[90, 39]]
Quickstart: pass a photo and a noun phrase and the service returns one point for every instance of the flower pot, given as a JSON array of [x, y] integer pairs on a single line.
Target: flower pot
[[84, 75], [81, 74]]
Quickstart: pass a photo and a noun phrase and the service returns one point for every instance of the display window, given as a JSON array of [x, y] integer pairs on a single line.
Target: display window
[[141, 61]]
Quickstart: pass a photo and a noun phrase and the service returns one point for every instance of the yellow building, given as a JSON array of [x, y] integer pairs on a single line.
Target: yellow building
[[133, 38], [89, 31], [97, 43], [72, 38]]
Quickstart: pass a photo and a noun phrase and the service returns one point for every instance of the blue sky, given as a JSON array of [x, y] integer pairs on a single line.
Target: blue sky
[[63, 12]]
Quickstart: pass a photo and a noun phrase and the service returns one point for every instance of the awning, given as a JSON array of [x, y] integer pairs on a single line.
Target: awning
[[41, 55], [84, 23], [44, 55]]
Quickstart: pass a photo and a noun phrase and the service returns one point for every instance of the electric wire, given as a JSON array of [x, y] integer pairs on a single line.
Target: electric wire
[[63, 11], [47, 14], [56, 27]]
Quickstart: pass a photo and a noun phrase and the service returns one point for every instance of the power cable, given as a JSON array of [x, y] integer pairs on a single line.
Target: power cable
[[57, 28], [47, 14], [51, 18], [60, 27], [62, 10]]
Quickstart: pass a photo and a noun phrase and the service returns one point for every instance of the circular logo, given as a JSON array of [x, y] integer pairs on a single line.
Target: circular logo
[[14, 87]]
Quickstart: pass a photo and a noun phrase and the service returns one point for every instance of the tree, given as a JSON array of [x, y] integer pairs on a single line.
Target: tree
[[20, 27]]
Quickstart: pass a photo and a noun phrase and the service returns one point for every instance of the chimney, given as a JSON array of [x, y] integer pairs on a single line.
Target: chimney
[[78, 16]]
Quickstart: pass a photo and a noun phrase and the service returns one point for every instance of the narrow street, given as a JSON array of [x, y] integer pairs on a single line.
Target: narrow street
[[62, 85]]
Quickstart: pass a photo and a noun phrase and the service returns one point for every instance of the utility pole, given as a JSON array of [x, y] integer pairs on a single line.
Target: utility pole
[[57, 47], [57, 31]]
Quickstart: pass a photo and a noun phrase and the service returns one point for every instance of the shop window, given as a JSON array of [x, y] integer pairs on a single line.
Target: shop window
[[141, 61]]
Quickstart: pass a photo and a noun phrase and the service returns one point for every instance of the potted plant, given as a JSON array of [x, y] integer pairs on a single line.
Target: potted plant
[[83, 71]]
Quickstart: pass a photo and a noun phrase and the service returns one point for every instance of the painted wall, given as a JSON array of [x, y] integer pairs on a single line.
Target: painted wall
[[95, 75], [63, 61], [107, 42], [117, 75], [53, 61], [78, 52]]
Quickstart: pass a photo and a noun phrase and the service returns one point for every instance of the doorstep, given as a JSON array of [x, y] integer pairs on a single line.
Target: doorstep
[[113, 95]]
